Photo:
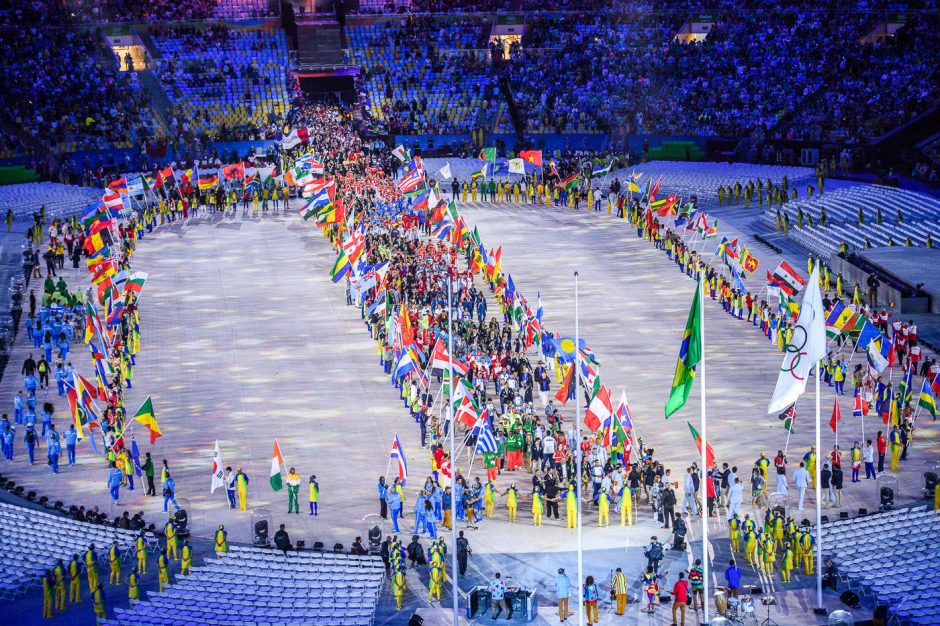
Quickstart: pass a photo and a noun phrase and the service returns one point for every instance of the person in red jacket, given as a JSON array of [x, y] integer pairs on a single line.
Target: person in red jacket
[[710, 493], [882, 451], [680, 593]]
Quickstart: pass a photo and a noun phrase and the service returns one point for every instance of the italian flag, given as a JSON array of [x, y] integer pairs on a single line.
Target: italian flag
[[276, 461]]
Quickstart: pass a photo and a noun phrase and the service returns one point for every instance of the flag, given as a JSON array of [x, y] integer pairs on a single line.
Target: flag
[[532, 156], [397, 454], [600, 170], [135, 284], [516, 166], [861, 407], [165, 176], [208, 182], [600, 407], [440, 360], [727, 250], [840, 317], [407, 363], [880, 352], [868, 333], [410, 181], [690, 353], [401, 153], [836, 416], [666, 206], [146, 417], [119, 185], [486, 440], [654, 190], [135, 454], [749, 262], [805, 349], [789, 279], [341, 267], [114, 203], [276, 461], [295, 137], [218, 471], [709, 453], [906, 386], [567, 389], [790, 417], [234, 172], [98, 241], [571, 183], [927, 399], [615, 433], [488, 155], [445, 172]]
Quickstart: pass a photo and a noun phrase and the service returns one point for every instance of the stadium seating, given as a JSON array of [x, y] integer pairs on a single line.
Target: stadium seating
[[32, 541], [703, 179], [60, 200], [223, 82], [424, 74], [892, 568], [250, 586], [920, 214]]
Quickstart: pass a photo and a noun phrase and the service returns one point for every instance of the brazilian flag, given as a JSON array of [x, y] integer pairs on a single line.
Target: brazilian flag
[[690, 353]]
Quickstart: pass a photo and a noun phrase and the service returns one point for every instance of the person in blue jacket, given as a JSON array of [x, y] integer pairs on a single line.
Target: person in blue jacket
[[394, 505], [8, 438], [53, 449], [60, 378], [114, 482], [62, 343], [71, 438], [18, 406], [47, 411], [30, 437], [383, 492], [169, 492], [420, 523]]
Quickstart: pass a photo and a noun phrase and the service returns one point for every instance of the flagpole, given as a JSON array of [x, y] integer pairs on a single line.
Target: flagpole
[[455, 572], [818, 470], [701, 375], [577, 425]]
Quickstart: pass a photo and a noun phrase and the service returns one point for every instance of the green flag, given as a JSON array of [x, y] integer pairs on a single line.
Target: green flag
[[488, 155], [690, 353]]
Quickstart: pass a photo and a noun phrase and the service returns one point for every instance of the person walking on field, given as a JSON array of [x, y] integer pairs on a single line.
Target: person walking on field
[[619, 587], [561, 591], [680, 593]]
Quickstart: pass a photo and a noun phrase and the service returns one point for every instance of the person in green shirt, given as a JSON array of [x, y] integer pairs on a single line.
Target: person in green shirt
[[148, 472]]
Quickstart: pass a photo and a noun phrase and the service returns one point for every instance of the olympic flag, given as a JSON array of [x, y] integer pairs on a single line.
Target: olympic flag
[[806, 348]]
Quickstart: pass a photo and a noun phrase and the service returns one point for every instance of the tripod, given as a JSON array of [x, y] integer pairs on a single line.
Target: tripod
[[768, 602]]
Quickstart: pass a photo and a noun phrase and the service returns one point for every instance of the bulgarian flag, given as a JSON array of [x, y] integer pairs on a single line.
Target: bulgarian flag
[[276, 461], [135, 283], [709, 453], [145, 416]]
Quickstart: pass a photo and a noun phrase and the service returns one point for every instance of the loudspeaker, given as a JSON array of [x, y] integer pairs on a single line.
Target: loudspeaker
[[887, 496], [850, 599], [318, 545], [300, 545], [337, 548], [930, 483], [862, 512], [416, 620], [261, 533], [843, 515], [825, 519]]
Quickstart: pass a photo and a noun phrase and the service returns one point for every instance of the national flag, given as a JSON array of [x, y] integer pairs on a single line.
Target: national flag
[[516, 166], [614, 428], [401, 153], [234, 172], [567, 389], [341, 267], [906, 386], [666, 206], [860, 409], [565, 349], [410, 181], [600, 170], [710, 231], [789, 279], [407, 363], [840, 317], [440, 360], [836, 416], [135, 455], [737, 280], [98, 241], [114, 203], [135, 284], [445, 172], [531, 156], [571, 183], [93, 213], [488, 155], [632, 187], [867, 333], [790, 417], [927, 399], [398, 455], [690, 353], [276, 461], [119, 185], [749, 262], [165, 177], [208, 182], [880, 353], [727, 250], [148, 419], [480, 174], [886, 403], [600, 406], [295, 137], [334, 213], [218, 469], [654, 190], [552, 169], [486, 439], [805, 349], [709, 453]]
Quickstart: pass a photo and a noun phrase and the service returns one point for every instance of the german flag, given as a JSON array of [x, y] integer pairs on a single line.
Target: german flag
[[208, 182]]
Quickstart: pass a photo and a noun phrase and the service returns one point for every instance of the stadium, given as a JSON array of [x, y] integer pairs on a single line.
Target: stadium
[[381, 312]]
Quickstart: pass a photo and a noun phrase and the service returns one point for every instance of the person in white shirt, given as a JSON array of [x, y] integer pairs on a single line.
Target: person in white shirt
[[688, 501], [868, 454], [735, 496], [801, 480], [548, 452]]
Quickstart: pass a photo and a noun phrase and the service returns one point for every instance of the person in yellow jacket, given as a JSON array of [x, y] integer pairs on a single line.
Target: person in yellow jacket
[[512, 501], [91, 568], [221, 541], [769, 553], [315, 495], [571, 507], [626, 506], [489, 498], [894, 440], [241, 485], [187, 559], [114, 561], [734, 532], [786, 562], [293, 491], [750, 544], [48, 591], [75, 579], [58, 578], [434, 583], [537, 507], [398, 582], [172, 541], [163, 570], [133, 586], [805, 550], [97, 600], [141, 545], [603, 509]]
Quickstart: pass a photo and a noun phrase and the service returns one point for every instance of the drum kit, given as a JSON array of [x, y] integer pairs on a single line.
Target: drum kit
[[740, 610]]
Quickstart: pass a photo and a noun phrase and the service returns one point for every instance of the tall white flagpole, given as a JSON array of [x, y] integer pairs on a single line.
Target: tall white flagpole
[[577, 424], [701, 374], [455, 573], [819, 602]]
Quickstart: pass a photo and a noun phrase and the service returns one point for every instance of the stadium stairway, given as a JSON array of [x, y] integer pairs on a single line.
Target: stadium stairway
[[319, 43], [161, 103]]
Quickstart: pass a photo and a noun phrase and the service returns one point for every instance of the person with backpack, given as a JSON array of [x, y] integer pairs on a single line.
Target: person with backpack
[[591, 597], [653, 554]]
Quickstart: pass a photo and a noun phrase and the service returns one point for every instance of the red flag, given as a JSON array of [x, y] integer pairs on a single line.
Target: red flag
[[836, 416], [532, 156], [567, 386], [709, 453]]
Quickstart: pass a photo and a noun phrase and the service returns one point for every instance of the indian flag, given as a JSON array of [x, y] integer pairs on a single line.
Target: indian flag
[[276, 461]]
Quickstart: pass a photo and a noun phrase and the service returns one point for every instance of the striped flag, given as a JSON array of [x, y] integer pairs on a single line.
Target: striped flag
[[398, 455], [927, 399], [276, 461], [486, 440]]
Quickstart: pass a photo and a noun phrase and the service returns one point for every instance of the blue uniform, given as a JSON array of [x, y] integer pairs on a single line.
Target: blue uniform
[[169, 491], [394, 504], [71, 438], [114, 483]]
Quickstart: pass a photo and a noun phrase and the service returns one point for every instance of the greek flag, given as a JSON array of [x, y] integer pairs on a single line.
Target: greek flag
[[486, 440]]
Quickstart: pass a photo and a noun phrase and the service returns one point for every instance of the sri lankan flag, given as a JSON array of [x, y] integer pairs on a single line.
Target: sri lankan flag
[[690, 353], [927, 400]]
